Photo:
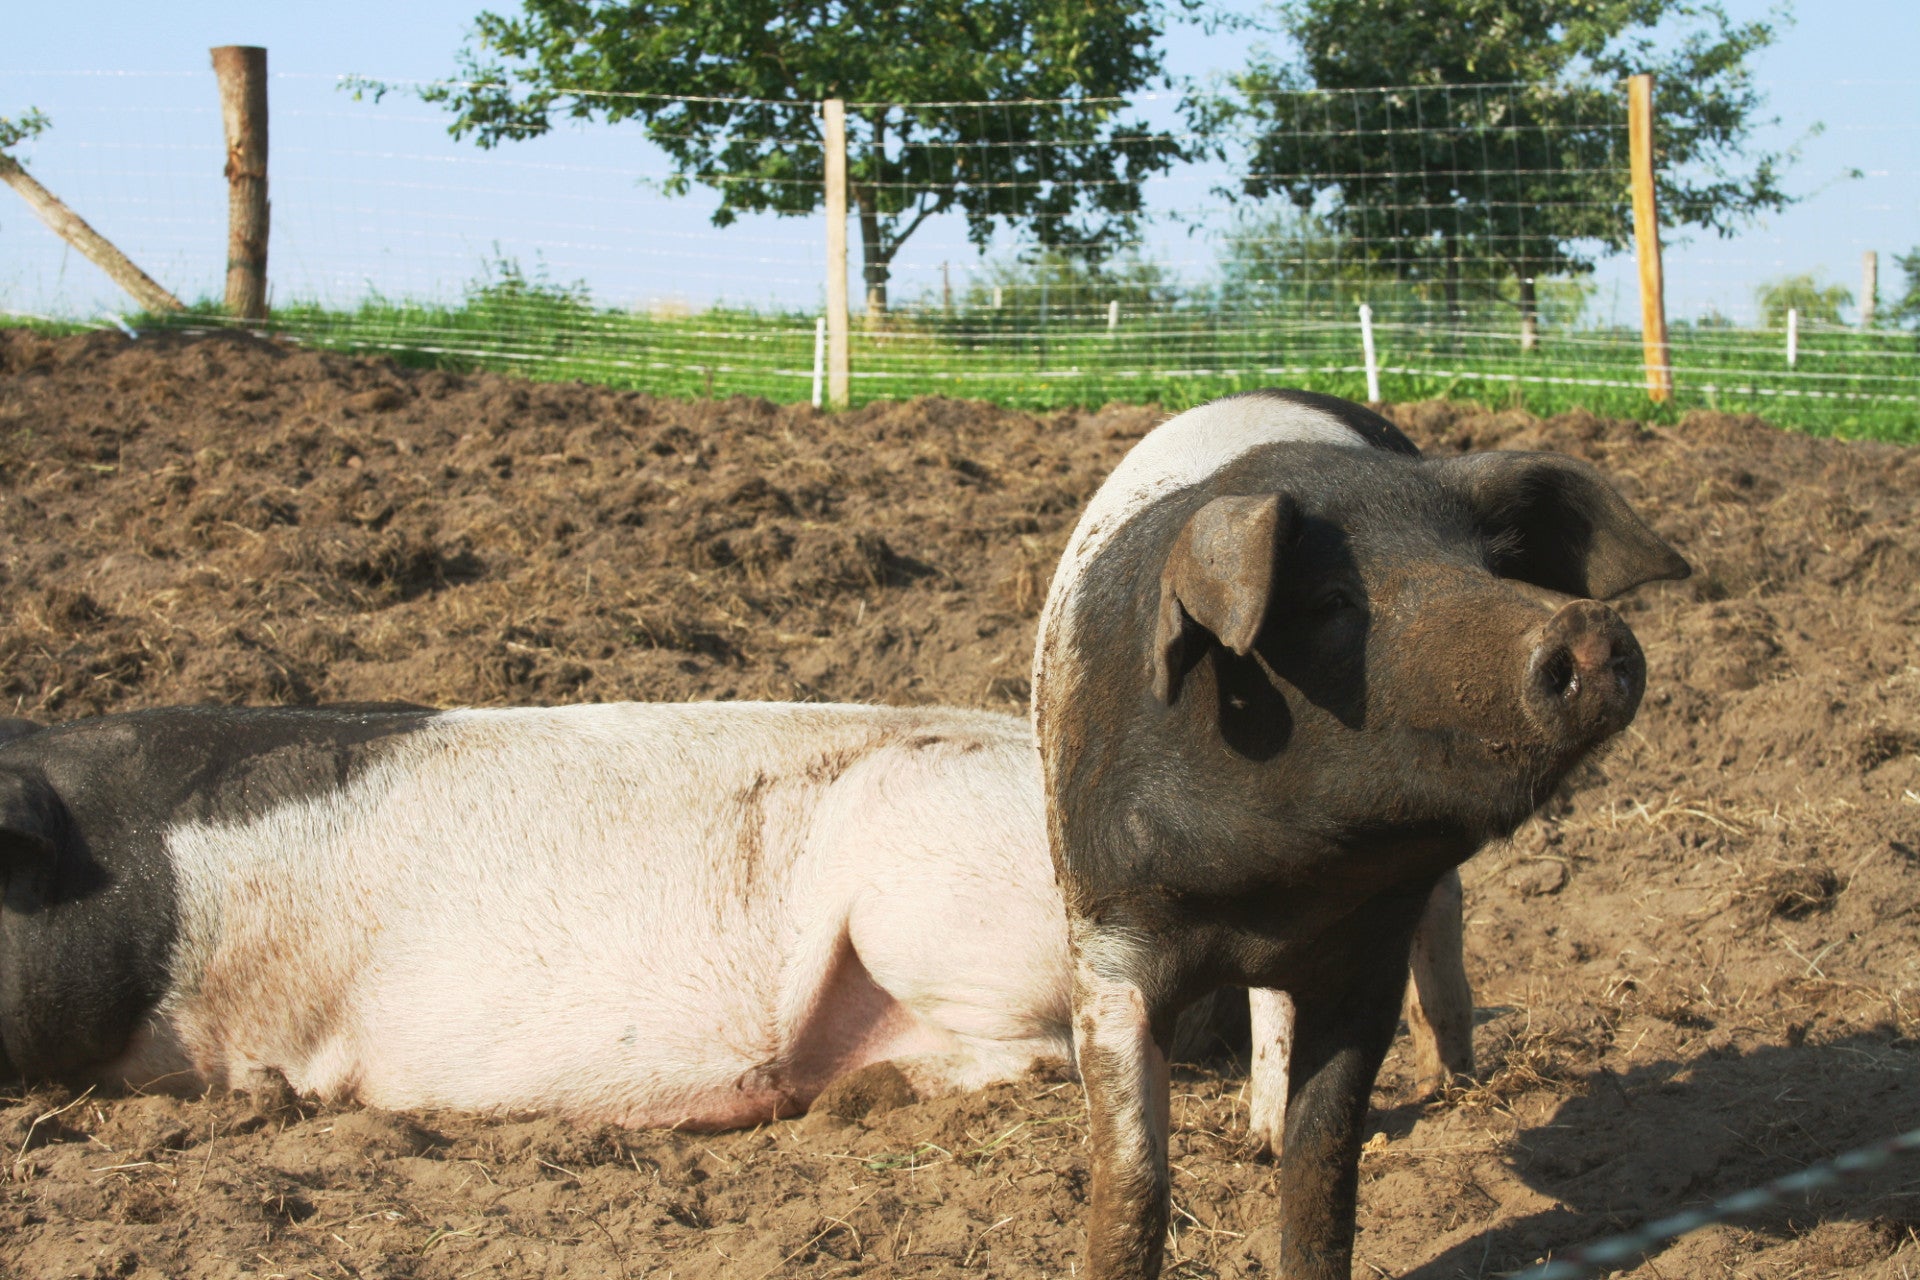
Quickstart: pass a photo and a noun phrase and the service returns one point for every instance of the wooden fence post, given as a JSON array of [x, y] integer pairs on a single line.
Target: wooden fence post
[[1646, 239], [839, 375], [242, 72], [1869, 287]]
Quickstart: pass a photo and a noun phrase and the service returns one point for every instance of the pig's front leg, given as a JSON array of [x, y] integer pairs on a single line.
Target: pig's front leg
[[1339, 1040], [1124, 1068]]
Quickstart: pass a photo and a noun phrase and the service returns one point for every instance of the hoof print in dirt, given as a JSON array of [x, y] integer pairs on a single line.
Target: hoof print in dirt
[[870, 1091], [371, 1132], [1535, 877]]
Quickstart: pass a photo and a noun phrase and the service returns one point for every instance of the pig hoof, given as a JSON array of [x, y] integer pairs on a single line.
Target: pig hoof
[[1441, 1085], [1264, 1147], [873, 1090], [267, 1089]]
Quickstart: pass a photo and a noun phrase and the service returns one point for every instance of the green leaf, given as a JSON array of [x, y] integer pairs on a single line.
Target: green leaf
[[30, 125], [1479, 143], [729, 90]]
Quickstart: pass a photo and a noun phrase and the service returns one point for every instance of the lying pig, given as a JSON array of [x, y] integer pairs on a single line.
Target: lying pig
[[695, 915], [1289, 675]]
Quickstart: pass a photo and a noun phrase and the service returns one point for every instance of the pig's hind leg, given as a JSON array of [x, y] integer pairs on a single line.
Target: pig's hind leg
[[896, 1082], [1271, 1016], [1440, 1000], [1439, 1019], [863, 1037], [968, 1004]]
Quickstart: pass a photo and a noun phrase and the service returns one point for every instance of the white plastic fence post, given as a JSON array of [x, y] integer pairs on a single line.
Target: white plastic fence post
[[1793, 336], [1366, 343], [1113, 315], [819, 360], [996, 297]]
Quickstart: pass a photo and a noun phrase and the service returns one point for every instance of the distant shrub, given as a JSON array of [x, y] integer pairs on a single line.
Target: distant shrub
[[1815, 303]]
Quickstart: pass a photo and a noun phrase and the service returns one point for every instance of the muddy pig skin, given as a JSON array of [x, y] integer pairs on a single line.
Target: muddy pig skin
[[1290, 674], [696, 915]]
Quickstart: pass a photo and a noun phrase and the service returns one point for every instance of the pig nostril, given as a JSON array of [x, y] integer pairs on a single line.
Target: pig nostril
[[1585, 673], [1557, 674]]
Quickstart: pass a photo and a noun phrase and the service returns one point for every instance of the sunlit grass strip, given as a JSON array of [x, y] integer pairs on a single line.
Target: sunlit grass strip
[[1851, 384]]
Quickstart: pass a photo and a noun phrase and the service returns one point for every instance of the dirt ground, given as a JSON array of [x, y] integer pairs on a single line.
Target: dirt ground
[[1696, 972]]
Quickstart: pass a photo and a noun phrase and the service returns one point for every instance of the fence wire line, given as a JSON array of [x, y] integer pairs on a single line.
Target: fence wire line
[[376, 212], [1184, 92], [1629, 1247]]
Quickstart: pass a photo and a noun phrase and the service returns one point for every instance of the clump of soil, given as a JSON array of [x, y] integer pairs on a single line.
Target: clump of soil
[[1695, 971]]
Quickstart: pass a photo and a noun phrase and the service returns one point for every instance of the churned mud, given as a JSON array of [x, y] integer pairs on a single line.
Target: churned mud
[[1698, 971]]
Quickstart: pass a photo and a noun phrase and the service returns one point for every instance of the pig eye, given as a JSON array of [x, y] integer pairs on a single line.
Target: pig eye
[[1332, 602]]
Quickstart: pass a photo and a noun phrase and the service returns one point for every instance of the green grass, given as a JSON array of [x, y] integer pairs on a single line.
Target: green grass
[[45, 326], [1845, 383]]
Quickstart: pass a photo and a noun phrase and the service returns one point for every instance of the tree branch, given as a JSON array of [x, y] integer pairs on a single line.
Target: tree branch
[[926, 211]]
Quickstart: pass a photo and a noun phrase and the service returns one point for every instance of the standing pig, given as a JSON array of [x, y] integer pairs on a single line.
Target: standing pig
[[1290, 674]]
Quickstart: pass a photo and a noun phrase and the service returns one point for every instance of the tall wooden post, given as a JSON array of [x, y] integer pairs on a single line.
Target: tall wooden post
[[839, 377], [1646, 238], [1869, 287], [242, 72]]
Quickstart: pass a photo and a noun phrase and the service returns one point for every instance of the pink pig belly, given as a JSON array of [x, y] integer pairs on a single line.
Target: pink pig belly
[[645, 915]]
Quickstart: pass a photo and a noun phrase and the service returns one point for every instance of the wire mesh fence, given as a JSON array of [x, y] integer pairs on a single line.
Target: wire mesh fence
[[1165, 248]]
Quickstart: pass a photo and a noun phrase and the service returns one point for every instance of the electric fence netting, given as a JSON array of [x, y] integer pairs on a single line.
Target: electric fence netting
[[1165, 248]]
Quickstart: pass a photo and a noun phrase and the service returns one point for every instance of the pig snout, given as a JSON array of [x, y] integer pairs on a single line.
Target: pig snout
[[1585, 673]]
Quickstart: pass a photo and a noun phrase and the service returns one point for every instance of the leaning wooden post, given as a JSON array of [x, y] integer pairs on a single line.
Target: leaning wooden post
[[1646, 238], [72, 228], [834, 113], [242, 72]]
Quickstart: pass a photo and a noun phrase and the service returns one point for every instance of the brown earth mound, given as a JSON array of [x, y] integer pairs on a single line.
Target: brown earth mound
[[1698, 971]]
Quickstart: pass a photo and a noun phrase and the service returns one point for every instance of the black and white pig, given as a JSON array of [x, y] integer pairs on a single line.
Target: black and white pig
[[693, 915], [1289, 675]]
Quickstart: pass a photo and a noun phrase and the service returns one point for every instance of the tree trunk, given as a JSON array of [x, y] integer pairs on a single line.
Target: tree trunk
[[875, 260], [1450, 247], [1529, 315], [72, 228]]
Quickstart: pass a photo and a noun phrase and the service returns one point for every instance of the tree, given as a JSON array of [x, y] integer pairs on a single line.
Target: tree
[[1447, 136], [27, 126], [1802, 293], [1907, 309], [1287, 258], [1069, 285], [729, 89]]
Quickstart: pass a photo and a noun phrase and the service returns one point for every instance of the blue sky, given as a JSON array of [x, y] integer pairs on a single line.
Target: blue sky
[[379, 197]]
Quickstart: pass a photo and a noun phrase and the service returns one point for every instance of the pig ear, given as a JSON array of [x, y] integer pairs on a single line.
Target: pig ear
[[26, 824], [1553, 521], [1219, 576]]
